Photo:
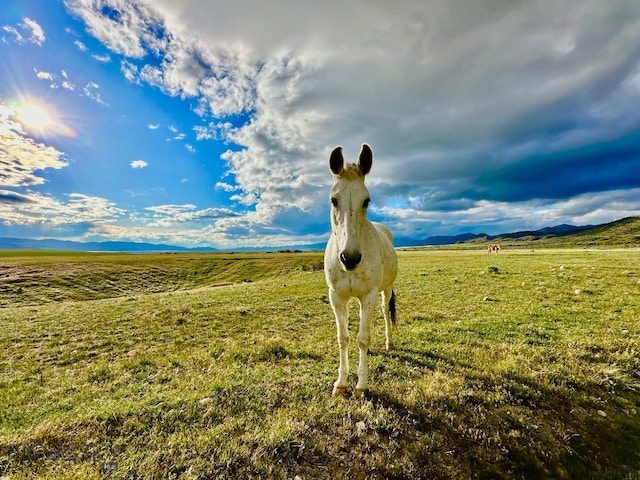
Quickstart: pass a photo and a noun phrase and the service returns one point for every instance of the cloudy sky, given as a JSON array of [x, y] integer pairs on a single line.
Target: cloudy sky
[[209, 123]]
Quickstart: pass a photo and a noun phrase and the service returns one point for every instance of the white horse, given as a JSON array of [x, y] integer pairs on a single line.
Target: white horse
[[359, 261], [494, 247]]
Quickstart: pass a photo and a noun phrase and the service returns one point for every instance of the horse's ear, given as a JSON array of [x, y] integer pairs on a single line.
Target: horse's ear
[[365, 159], [336, 161]]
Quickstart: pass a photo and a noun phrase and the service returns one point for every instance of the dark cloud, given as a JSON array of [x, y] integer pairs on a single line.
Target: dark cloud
[[599, 167], [7, 196]]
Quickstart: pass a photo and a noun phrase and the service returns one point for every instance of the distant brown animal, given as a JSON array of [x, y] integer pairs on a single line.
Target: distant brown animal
[[493, 248]]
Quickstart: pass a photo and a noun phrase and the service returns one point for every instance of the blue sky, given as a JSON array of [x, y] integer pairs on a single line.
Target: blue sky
[[209, 123]]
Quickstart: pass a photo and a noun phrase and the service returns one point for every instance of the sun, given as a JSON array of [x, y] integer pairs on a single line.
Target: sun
[[33, 116], [40, 119]]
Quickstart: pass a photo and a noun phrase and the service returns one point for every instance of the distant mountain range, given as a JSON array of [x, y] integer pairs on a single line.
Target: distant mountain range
[[68, 245], [558, 230], [624, 231]]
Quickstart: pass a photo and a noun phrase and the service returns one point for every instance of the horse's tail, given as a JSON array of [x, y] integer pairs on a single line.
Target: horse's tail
[[392, 307]]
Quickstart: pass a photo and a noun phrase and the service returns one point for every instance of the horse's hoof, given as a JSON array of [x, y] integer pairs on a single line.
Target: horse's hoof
[[361, 391], [338, 391], [390, 347]]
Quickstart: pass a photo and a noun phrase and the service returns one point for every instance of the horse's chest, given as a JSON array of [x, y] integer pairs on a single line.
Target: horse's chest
[[356, 284]]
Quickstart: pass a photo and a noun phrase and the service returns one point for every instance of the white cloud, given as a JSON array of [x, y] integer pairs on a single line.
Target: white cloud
[[36, 33], [33, 32], [138, 164], [459, 101], [102, 58], [105, 22], [153, 126], [171, 210], [90, 90], [44, 75], [226, 187], [52, 78], [61, 80], [170, 216], [214, 131], [36, 209], [130, 71], [212, 232], [14, 32], [81, 46]]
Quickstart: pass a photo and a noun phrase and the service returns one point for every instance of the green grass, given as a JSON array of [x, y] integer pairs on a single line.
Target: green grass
[[522, 365]]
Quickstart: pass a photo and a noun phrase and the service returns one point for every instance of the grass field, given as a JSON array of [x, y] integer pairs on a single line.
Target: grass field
[[522, 365]]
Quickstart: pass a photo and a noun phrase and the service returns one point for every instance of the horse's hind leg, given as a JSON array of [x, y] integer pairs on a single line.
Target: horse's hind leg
[[341, 312], [389, 312]]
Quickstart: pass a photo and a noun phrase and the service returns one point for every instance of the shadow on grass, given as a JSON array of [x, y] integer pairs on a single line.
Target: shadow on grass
[[515, 426]]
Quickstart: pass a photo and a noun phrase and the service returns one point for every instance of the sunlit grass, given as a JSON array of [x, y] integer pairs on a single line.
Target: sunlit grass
[[524, 365]]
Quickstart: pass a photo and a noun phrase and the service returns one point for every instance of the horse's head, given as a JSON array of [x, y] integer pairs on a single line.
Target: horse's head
[[349, 202]]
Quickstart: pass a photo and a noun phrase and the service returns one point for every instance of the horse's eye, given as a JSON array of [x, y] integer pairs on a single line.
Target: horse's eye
[[366, 203], [334, 202]]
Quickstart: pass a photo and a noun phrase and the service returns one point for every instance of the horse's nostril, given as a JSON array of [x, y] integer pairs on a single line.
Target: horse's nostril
[[350, 261]]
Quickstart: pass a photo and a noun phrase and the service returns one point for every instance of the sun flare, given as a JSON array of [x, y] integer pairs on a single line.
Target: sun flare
[[33, 116], [41, 120]]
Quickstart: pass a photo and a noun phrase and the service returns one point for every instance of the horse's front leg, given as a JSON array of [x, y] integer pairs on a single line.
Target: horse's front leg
[[340, 308], [367, 305]]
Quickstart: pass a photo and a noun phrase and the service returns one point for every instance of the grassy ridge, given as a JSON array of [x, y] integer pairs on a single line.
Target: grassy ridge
[[32, 278], [524, 365]]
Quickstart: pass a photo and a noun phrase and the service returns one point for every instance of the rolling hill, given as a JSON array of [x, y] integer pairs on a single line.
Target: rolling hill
[[623, 232]]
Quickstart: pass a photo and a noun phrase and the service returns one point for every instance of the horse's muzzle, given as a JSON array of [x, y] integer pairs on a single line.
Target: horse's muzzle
[[350, 260]]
